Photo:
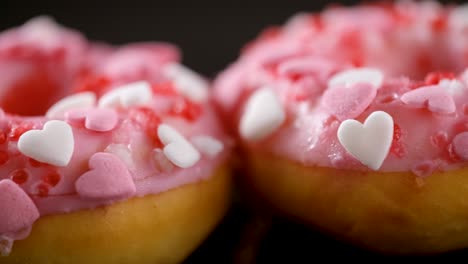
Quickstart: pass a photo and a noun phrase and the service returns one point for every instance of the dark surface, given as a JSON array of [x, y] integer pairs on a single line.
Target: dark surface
[[277, 240], [210, 35]]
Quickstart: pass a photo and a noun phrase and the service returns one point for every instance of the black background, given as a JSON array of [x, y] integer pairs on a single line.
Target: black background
[[210, 36], [209, 33]]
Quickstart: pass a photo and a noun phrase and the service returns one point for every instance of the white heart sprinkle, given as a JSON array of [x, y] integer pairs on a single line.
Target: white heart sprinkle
[[263, 114], [53, 144], [75, 101], [454, 87], [357, 75], [187, 82], [207, 145], [369, 143], [137, 93], [168, 134], [176, 148], [458, 17]]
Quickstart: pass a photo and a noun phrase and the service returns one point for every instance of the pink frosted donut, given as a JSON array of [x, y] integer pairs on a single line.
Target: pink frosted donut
[[354, 120], [107, 155]]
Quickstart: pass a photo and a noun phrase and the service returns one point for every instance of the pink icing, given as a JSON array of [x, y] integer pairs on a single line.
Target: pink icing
[[114, 154], [418, 47], [348, 102], [460, 144]]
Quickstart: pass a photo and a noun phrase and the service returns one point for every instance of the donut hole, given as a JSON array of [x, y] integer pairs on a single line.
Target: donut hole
[[28, 90]]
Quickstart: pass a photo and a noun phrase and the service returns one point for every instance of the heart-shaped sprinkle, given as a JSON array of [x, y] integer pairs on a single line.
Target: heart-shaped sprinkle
[[101, 119], [76, 115], [17, 210], [263, 114], [108, 178], [208, 145], [187, 82], [368, 143], [76, 101], [460, 145], [458, 17], [132, 94], [96, 119], [168, 134], [453, 87], [348, 102], [176, 148], [437, 100], [357, 75], [53, 144]]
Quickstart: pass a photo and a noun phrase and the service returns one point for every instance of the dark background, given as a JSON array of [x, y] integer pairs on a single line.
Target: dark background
[[209, 33], [210, 36]]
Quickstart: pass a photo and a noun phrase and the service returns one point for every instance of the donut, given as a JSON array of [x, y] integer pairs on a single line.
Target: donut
[[107, 154], [353, 121]]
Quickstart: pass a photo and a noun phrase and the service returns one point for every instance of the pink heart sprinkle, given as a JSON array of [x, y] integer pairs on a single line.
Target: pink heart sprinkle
[[348, 102], [76, 115], [433, 97], [101, 119], [17, 210], [460, 145], [96, 119], [108, 178]]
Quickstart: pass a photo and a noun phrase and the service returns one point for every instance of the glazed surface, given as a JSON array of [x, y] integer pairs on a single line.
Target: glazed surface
[[105, 143], [419, 51]]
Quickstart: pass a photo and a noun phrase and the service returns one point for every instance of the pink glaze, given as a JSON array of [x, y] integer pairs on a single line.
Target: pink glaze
[[117, 153], [422, 51], [348, 102]]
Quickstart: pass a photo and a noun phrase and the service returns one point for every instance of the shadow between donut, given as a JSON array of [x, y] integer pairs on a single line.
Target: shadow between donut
[[254, 232]]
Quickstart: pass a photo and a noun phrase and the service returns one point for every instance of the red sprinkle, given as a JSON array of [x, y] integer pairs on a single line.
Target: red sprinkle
[[440, 140], [424, 62], [166, 88], [42, 189], [451, 155], [316, 22], [4, 157], [397, 147], [3, 137], [186, 109], [388, 99], [433, 78], [52, 178], [424, 169], [17, 130], [19, 176], [36, 163], [465, 109], [147, 119], [94, 84], [439, 23]]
